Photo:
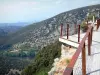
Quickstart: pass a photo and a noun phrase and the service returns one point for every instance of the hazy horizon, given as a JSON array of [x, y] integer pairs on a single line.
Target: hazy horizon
[[29, 11]]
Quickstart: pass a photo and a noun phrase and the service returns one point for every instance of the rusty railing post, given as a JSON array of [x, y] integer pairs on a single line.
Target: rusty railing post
[[91, 34], [78, 33], [89, 44], [67, 31], [97, 24], [61, 30], [83, 60]]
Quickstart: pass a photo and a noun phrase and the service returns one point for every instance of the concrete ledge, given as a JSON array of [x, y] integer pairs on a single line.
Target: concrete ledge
[[69, 42]]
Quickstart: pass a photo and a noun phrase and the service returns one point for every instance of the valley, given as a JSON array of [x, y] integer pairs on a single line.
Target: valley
[[32, 49]]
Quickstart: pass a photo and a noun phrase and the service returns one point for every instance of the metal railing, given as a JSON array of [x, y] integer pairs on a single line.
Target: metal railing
[[75, 29], [81, 48]]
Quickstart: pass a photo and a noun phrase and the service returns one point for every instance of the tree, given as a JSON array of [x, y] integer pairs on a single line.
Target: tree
[[43, 60], [84, 26]]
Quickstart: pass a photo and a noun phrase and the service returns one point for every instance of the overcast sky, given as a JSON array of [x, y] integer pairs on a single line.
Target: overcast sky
[[37, 10]]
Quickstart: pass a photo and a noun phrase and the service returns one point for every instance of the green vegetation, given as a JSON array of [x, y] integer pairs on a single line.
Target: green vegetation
[[7, 63], [43, 60], [21, 53], [68, 61], [10, 59], [38, 34], [84, 26], [89, 17], [20, 50]]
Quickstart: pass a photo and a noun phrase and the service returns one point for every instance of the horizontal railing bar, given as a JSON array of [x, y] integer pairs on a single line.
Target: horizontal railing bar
[[75, 56], [68, 71]]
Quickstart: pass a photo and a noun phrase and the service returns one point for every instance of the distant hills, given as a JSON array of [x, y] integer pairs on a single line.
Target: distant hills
[[7, 29], [14, 24], [47, 31], [18, 43]]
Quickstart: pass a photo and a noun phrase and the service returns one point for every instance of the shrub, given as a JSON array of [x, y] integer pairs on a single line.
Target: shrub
[[84, 26], [43, 60]]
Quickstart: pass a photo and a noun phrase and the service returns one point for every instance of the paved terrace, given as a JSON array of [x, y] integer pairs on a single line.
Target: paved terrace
[[93, 61]]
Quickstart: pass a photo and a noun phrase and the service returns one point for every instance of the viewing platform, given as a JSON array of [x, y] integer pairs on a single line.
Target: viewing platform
[[92, 61], [72, 41], [86, 60]]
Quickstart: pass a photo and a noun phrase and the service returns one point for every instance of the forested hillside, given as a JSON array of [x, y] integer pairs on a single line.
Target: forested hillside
[[44, 59], [39, 41], [47, 31], [7, 63]]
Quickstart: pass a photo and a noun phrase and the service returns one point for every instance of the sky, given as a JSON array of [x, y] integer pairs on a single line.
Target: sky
[[12, 11]]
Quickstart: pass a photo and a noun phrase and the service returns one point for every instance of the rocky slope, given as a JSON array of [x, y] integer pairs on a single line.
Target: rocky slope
[[45, 32]]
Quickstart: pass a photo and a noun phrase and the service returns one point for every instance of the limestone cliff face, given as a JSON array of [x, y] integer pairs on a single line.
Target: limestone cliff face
[[61, 63]]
